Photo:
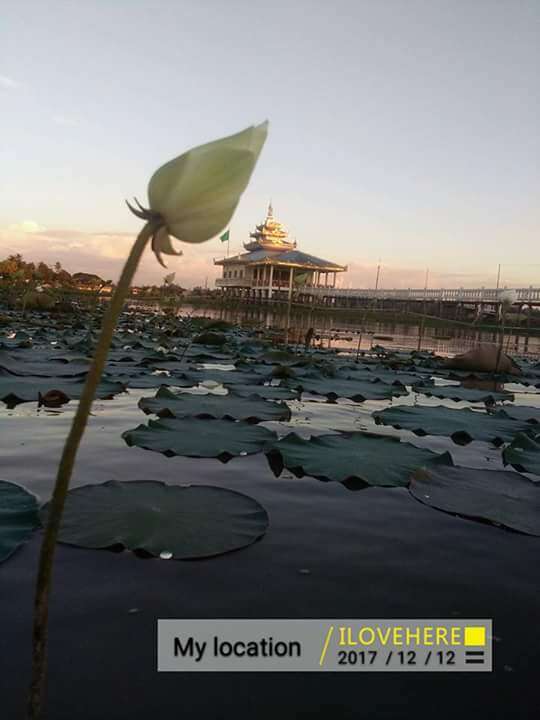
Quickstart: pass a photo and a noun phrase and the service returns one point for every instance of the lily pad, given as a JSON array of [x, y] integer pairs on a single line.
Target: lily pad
[[224, 377], [47, 367], [15, 389], [182, 522], [524, 453], [386, 375], [523, 412], [497, 496], [356, 390], [194, 437], [462, 426], [268, 392], [232, 407], [356, 459], [458, 393], [18, 517]]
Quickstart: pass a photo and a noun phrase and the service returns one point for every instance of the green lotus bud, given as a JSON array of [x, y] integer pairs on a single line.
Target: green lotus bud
[[197, 193], [194, 196], [161, 244]]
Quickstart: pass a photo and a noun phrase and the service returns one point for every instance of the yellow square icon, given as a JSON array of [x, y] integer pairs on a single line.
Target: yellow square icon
[[475, 635]]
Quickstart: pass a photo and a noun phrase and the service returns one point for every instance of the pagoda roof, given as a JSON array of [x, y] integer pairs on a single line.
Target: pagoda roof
[[295, 258]]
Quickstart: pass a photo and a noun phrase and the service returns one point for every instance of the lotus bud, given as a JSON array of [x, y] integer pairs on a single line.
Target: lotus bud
[[194, 196]]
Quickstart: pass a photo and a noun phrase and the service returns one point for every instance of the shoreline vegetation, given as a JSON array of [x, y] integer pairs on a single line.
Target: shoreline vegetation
[[40, 287]]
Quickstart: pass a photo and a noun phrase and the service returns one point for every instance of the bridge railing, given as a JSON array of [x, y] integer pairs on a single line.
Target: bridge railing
[[494, 295]]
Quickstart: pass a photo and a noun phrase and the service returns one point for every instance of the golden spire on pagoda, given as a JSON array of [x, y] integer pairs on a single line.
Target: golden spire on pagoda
[[270, 235]]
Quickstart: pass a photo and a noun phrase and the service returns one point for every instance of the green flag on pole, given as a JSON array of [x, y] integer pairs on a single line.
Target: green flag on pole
[[224, 237]]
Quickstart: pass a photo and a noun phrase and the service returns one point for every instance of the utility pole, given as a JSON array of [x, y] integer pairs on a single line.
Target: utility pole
[[378, 274], [498, 275], [423, 322]]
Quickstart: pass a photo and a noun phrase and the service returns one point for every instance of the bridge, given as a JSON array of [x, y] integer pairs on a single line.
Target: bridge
[[463, 304], [474, 296]]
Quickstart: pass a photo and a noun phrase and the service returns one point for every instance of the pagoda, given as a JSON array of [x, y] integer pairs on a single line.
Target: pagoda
[[270, 235], [273, 267]]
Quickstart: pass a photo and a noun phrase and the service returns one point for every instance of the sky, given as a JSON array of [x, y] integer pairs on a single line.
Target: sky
[[404, 131]]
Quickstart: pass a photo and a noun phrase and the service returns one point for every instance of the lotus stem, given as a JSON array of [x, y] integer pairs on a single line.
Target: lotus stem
[[501, 341], [65, 470]]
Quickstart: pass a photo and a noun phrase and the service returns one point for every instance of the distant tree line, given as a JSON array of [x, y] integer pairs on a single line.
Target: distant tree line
[[15, 269]]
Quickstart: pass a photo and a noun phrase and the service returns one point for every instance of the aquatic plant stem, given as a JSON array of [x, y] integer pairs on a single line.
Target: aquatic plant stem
[[65, 470]]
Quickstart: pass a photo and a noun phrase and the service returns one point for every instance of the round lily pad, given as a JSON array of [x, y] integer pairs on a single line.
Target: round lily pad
[[463, 426], [524, 453], [18, 517], [252, 409], [195, 437], [355, 459], [168, 521], [498, 496]]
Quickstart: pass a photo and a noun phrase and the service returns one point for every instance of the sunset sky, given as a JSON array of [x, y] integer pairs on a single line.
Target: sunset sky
[[405, 130]]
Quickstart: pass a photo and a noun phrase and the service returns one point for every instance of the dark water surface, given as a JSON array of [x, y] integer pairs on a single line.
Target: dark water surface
[[344, 331], [372, 553]]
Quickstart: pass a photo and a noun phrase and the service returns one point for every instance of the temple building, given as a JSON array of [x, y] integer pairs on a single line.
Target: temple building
[[272, 267]]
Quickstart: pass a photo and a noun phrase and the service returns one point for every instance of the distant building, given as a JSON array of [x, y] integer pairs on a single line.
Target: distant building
[[273, 267], [92, 283]]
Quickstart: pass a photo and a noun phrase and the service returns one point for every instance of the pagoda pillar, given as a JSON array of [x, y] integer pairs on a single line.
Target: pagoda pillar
[[291, 273], [270, 282], [325, 279]]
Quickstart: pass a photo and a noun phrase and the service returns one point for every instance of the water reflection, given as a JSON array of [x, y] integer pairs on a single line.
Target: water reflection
[[353, 333]]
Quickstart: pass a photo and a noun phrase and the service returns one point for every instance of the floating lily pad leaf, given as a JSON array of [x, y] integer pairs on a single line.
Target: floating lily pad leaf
[[356, 390], [524, 453], [210, 338], [356, 459], [163, 520], [194, 437], [18, 517], [278, 357], [18, 389], [225, 377], [269, 392], [195, 355], [462, 426], [382, 374], [468, 375], [48, 367], [232, 407], [157, 378], [457, 393], [497, 496], [523, 412]]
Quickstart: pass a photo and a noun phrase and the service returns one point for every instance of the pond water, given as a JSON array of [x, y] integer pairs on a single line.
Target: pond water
[[345, 332], [329, 552]]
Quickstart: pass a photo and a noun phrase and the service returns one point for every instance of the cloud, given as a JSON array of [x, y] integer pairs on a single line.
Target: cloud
[[104, 252], [65, 120], [8, 83], [26, 226], [363, 276]]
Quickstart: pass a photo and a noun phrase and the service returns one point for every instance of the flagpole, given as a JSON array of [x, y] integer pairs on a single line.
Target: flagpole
[[228, 241]]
